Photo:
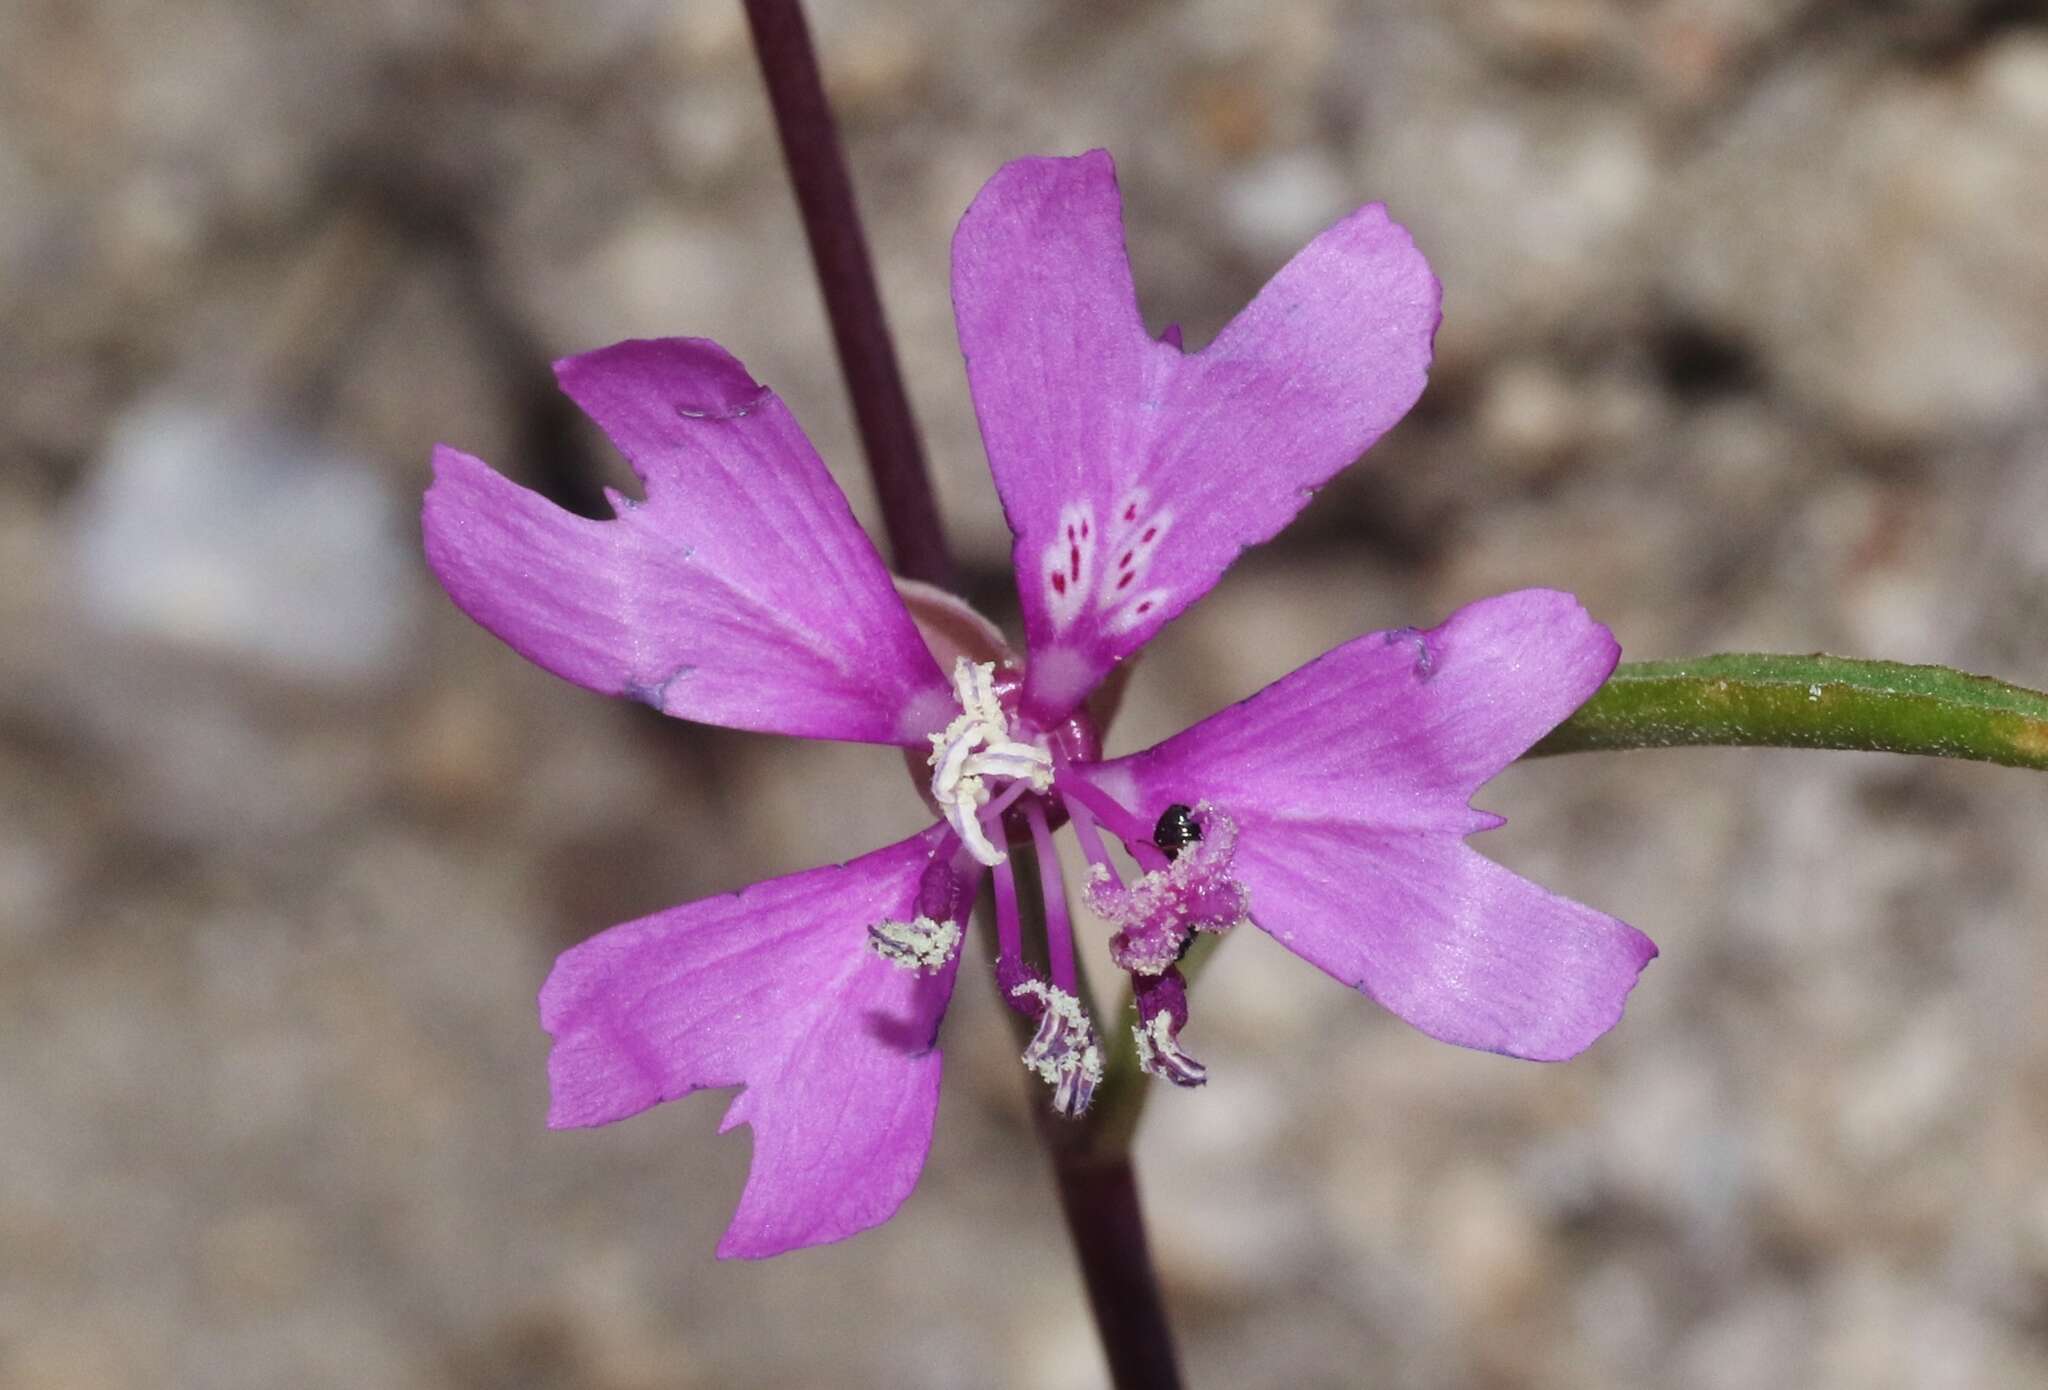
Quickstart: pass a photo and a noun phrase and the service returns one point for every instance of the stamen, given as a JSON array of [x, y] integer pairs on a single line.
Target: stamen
[[976, 747], [922, 944], [930, 940], [1063, 1051], [1010, 967], [1009, 924], [1089, 837], [1162, 1013], [1059, 929], [940, 891], [1159, 1054], [991, 812], [1135, 833]]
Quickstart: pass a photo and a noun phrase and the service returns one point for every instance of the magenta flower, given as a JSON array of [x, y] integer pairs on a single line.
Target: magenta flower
[[1330, 809]]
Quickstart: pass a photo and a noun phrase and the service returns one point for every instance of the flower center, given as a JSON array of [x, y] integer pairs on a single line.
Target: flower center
[[991, 763], [1188, 884], [977, 749]]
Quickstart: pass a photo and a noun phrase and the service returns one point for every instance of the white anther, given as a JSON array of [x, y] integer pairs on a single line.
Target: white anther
[[919, 945], [1063, 1051], [1159, 1053], [974, 686], [975, 748]]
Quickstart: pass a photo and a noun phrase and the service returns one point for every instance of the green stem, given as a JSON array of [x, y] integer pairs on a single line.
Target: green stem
[[1731, 700], [1749, 700]]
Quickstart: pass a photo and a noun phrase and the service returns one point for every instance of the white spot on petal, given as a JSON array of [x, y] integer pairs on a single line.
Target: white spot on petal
[[1068, 565], [1131, 508], [1143, 609]]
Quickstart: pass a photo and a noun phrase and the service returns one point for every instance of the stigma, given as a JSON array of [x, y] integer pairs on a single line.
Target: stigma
[[976, 749], [1157, 915]]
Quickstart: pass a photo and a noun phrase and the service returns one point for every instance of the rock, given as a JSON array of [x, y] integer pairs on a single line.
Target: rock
[[1879, 234], [245, 539]]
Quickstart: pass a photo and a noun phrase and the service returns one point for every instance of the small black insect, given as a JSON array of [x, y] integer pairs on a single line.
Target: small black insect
[[1176, 830]]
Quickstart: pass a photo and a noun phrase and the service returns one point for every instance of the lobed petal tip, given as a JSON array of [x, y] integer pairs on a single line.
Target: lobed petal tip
[[1646, 950], [1633, 953], [711, 382], [448, 458], [464, 490], [1042, 177], [453, 471]]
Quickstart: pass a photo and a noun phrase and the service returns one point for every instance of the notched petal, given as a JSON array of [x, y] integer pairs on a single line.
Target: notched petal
[[740, 591], [1351, 780], [775, 989], [1133, 473]]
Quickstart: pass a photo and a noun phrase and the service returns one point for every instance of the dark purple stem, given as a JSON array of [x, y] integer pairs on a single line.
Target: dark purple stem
[[1098, 1188], [1099, 1194], [1091, 1164], [839, 250]]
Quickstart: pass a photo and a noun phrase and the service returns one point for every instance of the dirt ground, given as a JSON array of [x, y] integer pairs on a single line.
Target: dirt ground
[[1746, 343]]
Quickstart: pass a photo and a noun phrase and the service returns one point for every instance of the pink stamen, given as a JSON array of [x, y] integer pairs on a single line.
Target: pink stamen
[[1059, 931], [1136, 835], [1090, 838], [1009, 925], [999, 804]]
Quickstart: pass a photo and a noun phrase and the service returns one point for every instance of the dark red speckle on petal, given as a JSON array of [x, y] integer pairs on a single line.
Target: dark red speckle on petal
[[1059, 582], [1074, 563], [1150, 532]]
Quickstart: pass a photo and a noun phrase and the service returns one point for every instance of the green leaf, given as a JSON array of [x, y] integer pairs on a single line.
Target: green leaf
[[1748, 700]]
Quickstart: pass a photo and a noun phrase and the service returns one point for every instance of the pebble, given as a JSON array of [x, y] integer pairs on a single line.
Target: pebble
[[244, 539]]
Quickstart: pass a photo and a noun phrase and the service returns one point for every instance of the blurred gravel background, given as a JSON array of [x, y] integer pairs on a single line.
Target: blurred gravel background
[[1746, 342]]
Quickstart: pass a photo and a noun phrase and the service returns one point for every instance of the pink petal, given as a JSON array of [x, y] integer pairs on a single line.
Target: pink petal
[[740, 592], [773, 988], [1132, 473], [1445, 938], [1349, 783]]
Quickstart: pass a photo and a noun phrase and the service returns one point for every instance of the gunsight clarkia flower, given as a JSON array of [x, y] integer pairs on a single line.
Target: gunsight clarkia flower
[[1330, 809]]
